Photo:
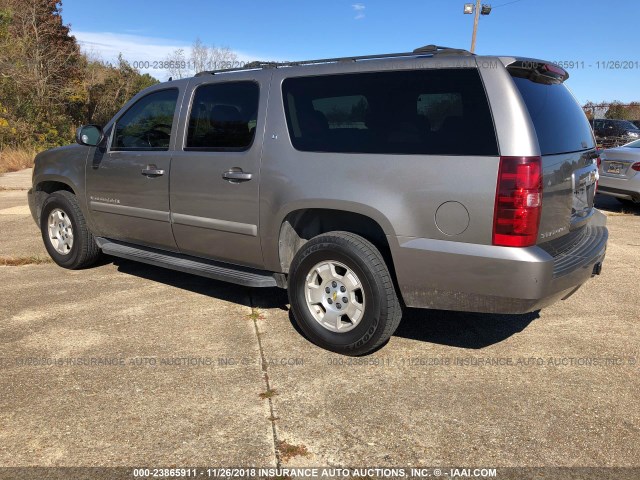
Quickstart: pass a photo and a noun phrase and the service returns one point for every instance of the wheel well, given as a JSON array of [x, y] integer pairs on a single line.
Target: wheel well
[[50, 187], [301, 226], [43, 189]]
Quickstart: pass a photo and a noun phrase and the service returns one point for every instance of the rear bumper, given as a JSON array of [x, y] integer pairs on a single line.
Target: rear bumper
[[627, 188], [483, 278]]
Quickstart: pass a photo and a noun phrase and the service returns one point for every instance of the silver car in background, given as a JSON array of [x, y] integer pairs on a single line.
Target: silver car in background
[[620, 173]]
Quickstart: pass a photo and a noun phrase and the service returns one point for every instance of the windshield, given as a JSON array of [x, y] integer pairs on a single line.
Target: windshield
[[634, 144]]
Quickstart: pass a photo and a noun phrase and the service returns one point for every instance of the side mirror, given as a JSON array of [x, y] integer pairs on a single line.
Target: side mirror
[[89, 135]]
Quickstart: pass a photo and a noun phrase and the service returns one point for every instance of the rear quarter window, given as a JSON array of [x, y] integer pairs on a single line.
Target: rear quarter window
[[425, 112], [560, 122]]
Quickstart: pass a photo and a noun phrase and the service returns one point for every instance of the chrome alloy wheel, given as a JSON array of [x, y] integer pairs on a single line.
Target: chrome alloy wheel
[[60, 231], [335, 296]]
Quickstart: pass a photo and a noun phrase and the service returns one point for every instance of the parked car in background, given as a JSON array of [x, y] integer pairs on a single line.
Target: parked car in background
[[620, 173], [613, 133]]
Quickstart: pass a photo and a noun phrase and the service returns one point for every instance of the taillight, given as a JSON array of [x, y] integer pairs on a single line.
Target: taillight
[[516, 216], [636, 166]]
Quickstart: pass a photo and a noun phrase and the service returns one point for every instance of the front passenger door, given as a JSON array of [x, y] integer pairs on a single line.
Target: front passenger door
[[128, 181]]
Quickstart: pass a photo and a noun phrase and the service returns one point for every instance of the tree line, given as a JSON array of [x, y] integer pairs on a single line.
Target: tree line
[[613, 110], [48, 87]]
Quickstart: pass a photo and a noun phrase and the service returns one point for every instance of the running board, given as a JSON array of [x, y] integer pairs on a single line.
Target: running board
[[225, 272]]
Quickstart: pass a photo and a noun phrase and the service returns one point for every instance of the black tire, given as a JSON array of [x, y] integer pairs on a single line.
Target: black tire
[[382, 312], [84, 250]]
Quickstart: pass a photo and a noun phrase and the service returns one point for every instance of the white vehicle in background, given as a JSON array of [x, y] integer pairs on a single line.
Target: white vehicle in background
[[620, 173]]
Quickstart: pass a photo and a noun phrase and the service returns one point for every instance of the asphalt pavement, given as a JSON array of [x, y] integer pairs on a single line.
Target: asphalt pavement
[[126, 364]]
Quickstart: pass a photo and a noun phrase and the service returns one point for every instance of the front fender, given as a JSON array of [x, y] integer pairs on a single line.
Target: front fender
[[65, 166]]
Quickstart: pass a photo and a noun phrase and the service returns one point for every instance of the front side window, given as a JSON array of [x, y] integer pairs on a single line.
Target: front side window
[[426, 112], [223, 117], [148, 123]]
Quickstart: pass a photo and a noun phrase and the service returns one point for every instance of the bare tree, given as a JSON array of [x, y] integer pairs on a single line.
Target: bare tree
[[200, 58], [178, 65], [221, 58]]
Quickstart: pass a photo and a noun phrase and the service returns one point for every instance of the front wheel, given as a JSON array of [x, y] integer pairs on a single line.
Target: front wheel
[[65, 233], [342, 294]]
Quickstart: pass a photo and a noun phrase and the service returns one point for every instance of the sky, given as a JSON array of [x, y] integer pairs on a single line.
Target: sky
[[593, 34]]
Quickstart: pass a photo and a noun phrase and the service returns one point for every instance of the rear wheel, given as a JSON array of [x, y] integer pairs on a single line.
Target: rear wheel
[[342, 295], [65, 233]]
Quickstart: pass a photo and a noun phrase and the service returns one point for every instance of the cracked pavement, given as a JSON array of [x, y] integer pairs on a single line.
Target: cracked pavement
[[127, 364]]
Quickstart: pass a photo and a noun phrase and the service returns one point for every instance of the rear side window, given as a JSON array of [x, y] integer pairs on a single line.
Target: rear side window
[[223, 117], [147, 124], [426, 112], [560, 122]]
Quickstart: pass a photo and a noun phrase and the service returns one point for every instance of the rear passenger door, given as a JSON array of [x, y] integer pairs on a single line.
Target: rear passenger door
[[215, 171]]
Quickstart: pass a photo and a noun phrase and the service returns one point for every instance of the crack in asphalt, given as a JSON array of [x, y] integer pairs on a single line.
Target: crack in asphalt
[[263, 362]]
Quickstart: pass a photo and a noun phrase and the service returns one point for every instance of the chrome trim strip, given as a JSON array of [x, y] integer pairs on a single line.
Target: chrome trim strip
[[215, 224], [129, 211]]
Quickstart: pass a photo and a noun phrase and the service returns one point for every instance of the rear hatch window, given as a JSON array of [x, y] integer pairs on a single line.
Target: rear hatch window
[[560, 122], [567, 147]]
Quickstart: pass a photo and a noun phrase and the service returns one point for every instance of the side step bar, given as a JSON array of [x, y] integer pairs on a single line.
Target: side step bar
[[248, 277]]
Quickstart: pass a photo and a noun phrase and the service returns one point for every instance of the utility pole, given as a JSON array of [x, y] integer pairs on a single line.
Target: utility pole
[[475, 27], [480, 10]]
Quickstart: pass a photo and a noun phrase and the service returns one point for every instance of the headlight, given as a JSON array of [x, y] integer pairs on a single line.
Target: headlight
[[633, 135]]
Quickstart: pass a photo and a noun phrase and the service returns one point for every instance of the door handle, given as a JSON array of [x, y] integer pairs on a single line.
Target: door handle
[[236, 175], [152, 171]]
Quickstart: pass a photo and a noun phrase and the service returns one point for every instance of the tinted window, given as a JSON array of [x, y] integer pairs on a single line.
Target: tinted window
[[625, 125], [414, 112], [147, 124], [223, 116], [560, 122], [343, 112]]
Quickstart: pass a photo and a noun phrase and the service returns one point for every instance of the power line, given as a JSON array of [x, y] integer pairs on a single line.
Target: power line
[[508, 3]]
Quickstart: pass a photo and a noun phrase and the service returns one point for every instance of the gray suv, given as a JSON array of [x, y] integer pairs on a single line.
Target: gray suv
[[434, 179]]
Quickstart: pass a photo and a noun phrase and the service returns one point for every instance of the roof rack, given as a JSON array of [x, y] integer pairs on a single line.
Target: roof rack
[[431, 50]]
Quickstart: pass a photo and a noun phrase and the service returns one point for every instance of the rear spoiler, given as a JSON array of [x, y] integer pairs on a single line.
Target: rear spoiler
[[538, 71]]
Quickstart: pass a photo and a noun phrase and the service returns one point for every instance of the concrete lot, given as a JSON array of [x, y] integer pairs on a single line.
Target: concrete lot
[[210, 374]]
